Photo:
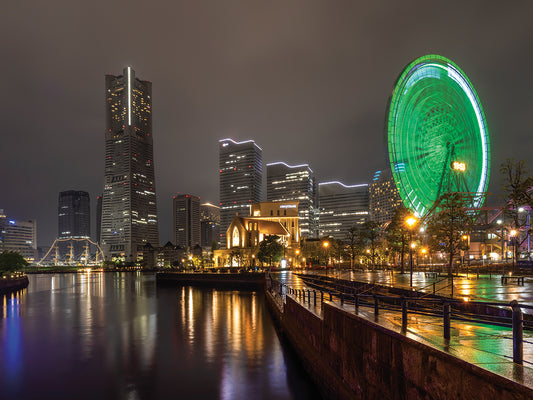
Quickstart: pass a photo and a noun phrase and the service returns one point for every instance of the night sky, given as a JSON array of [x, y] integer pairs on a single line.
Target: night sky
[[307, 80]]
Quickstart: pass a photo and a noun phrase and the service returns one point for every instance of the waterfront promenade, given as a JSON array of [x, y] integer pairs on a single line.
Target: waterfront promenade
[[485, 345]]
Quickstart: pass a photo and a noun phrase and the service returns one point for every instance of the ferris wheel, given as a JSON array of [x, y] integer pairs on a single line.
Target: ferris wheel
[[437, 135]]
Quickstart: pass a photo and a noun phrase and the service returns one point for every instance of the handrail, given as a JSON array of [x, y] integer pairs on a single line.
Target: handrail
[[517, 321]]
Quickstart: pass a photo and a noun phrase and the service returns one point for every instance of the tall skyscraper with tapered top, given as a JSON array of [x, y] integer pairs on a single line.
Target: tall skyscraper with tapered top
[[129, 209], [241, 179]]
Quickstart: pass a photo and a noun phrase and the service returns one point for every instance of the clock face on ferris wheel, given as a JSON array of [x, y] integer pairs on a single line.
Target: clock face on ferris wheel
[[437, 135]]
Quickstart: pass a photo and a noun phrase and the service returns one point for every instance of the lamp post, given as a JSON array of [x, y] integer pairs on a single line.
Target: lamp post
[[411, 222], [500, 222], [326, 245], [512, 235]]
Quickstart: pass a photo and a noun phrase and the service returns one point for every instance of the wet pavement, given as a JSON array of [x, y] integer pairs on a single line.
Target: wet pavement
[[487, 346]]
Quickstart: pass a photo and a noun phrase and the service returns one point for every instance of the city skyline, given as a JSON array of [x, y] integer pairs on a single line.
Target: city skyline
[[312, 90]]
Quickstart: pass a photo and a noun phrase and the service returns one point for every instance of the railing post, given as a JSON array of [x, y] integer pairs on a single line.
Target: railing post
[[342, 299], [404, 311], [518, 333], [446, 316], [321, 296], [376, 305], [309, 296], [314, 292], [356, 301], [433, 287]]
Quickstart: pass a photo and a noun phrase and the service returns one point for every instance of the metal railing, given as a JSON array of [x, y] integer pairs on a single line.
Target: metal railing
[[434, 307]]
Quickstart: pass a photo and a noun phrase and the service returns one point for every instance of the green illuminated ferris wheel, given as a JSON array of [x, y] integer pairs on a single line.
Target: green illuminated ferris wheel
[[437, 135]]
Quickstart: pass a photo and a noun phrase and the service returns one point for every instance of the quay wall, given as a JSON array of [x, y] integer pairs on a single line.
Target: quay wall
[[245, 280], [350, 357], [12, 284]]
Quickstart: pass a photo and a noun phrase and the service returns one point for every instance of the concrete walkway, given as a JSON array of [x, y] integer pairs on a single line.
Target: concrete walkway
[[487, 346]]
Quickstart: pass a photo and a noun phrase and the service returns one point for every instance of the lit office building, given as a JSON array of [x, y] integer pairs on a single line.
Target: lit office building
[[74, 222], [383, 196], [295, 183], [241, 174], [209, 224], [129, 209], [98, 217], [186, 220], [341, 207], [18, 236]]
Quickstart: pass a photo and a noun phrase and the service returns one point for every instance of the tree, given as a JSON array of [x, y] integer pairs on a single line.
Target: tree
[[397, 234], [11, 261], [354, 243], [518, 187], [270, 249], [448, 224], [370, 234]]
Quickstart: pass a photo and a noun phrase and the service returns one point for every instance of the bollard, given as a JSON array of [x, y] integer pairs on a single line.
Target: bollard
[[330, 296], [376, 305], [433, 287], [314, 293], [342, 299], [518, 333], [446, 323], [321, 296], [404, 311], [308, 296], [356, 301]]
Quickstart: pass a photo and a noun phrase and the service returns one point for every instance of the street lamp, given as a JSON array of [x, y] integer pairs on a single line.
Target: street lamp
[[411, 222], [326, 245], [513, 234], [500, 222]]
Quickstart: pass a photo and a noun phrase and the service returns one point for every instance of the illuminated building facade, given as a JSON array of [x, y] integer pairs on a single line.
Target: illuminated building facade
[[244, 234], [295, 183], [73, 220], [341, 207], [98, 217], [186, 218], [384, 196], [209, 225], [18, 236], [241, 175], [129, 209]]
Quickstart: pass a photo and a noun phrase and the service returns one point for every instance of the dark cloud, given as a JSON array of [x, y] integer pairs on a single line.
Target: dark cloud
[[308, 80]]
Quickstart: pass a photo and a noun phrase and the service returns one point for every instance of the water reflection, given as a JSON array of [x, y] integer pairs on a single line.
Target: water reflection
[[117, 336]]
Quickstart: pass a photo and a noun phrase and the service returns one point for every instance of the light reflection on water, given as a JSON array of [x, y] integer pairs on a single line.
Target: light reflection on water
[[118, 336]]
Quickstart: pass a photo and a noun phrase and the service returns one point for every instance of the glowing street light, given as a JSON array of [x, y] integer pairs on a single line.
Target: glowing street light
[[411, 222], [326, 245]]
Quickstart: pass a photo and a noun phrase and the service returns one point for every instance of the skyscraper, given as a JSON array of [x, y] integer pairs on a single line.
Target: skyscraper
[[295, 183], [341, 207], [384, 196], [98, 217], [129, 209], [241, 176], [73, 221], [18, 236], [186, 220], [209, 224]]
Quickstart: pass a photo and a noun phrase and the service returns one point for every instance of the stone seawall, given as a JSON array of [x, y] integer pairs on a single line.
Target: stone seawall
[[350, 357], [12, 284], [251, 280]]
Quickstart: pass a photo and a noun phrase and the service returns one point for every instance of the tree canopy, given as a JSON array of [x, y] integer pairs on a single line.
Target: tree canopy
[[270, 250], [448, 225], [11, 261]]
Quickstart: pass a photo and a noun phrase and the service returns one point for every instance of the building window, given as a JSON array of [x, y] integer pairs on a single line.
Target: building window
[[235, 237]]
